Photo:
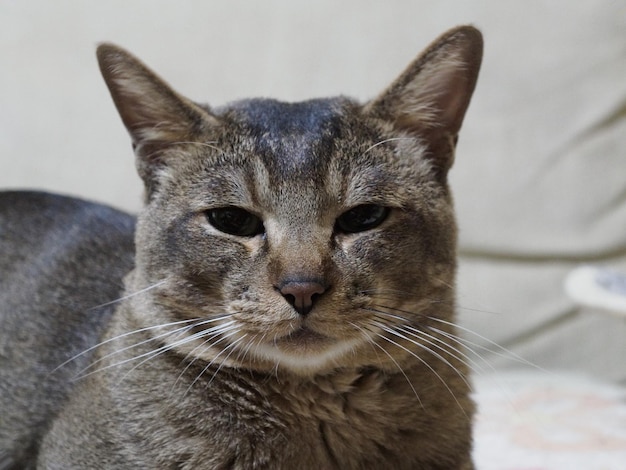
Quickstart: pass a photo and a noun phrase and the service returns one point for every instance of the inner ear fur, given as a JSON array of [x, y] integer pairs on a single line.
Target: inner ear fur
[[430, 98], [155, 115]]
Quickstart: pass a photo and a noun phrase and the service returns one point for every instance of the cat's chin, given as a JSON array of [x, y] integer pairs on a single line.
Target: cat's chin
[[305, 351], [303, 338]]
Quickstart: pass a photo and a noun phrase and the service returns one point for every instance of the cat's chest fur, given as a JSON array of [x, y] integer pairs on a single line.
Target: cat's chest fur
[[351, 418]]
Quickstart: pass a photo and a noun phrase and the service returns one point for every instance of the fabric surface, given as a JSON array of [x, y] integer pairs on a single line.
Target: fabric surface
[[539, 421], [540, 184]]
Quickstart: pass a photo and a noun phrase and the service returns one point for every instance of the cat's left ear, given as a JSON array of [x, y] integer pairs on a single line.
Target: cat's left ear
[[156, 116], [430, 98]]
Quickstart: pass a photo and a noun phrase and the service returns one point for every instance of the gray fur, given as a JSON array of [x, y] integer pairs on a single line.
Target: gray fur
[[61, 259]]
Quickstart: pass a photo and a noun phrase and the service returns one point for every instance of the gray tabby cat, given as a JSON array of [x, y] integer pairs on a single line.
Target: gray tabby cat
[[288, 302]]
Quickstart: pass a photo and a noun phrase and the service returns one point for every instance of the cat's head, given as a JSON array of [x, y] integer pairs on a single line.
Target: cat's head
[[299, 236]]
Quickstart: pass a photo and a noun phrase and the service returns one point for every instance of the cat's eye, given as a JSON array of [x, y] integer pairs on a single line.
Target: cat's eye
[[362, 218], [235, 221]]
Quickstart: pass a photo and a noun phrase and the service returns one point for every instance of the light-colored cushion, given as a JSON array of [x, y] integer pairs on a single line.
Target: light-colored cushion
[[540, 185], [540, 421]]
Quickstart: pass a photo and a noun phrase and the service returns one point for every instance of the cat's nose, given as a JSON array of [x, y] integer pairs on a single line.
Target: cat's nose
[[302, 294]]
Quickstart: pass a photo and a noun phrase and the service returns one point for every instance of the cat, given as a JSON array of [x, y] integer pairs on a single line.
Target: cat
[[285, 298]]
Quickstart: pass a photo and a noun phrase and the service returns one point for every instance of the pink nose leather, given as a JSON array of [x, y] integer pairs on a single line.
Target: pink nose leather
[[302, 294]]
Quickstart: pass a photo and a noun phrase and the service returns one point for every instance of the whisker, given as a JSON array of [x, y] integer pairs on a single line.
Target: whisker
[[387, 140], [213, 334], [216, 331], [244, 352], [401, 294], [128, 296], [467, 309], [424, 348], [82, 374], [470, 345], [458, 354], [207, 367], [140, 330], [231, 346], [395, 343], [150, 339], [444, 347], [370, 340], [258, 344], [202, 144], [500, 350]]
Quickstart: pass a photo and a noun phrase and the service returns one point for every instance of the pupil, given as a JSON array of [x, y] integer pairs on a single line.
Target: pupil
[[362, 218], [235, 221]]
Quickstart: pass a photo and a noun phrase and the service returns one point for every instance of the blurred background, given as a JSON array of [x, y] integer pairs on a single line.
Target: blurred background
[[540, 176]]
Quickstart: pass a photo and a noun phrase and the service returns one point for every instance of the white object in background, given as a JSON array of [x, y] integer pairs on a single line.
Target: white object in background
[[598, 287]]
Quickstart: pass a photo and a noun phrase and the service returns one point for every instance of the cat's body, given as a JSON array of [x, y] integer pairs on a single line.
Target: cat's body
[[292, 301], [61, 258]]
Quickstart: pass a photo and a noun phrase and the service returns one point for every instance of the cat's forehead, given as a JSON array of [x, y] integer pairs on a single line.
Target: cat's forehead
[[318, 153], [269, 116], [292, 139]]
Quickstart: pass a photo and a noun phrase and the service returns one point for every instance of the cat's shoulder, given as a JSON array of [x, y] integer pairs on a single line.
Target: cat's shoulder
[[34, 224], [28, 207], [62, 261]]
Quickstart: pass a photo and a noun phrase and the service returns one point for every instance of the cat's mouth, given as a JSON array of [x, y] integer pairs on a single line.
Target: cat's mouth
[[305, 350], [303, 336], [304, 339]]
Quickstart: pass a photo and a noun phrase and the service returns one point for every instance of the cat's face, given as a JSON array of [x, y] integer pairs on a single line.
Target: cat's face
[[299, 236]]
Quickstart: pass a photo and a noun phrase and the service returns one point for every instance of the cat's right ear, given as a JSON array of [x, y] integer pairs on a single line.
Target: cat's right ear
[[156, 117]]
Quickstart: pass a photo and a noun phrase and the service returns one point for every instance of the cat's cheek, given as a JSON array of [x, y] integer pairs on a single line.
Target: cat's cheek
[[367, 254], [189, 251], [393, 261], [427, 271]]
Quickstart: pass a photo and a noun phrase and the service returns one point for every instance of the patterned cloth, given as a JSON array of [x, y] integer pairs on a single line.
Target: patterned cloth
[[541, 421]]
